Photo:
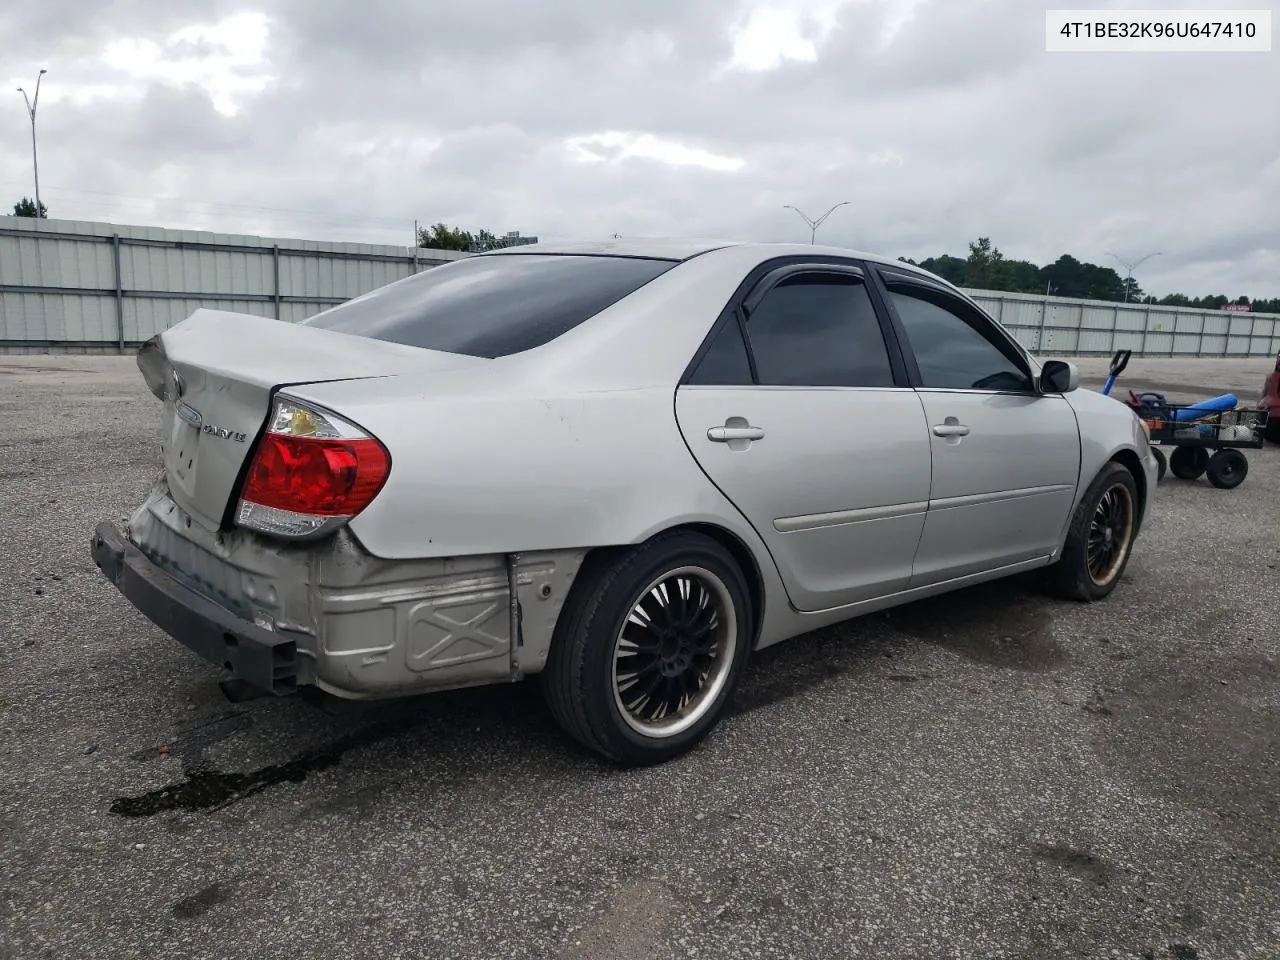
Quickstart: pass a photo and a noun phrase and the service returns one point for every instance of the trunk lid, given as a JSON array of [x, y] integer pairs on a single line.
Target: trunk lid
[[216, 372]]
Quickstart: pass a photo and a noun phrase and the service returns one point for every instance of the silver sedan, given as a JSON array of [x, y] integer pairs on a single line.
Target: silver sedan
[[618, 467]]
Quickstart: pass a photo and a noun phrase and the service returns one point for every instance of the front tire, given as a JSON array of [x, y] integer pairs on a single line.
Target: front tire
[[1100, 538], [1273, 428], [649, 648]]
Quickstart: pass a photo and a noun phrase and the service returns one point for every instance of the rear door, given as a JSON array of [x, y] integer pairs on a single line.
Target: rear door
[[798, 409], [1006, 458]]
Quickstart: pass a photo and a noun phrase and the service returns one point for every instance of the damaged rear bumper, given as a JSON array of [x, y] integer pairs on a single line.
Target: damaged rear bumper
[[330, 615], [265, 658]]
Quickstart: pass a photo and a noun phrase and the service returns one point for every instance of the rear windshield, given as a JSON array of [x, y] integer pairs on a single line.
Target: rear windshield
[[492, 306]]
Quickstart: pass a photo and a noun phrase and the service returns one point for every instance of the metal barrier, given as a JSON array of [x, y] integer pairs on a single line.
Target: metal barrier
[[94, 287]]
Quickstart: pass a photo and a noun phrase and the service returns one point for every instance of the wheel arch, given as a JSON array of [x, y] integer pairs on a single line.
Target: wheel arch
[[1128, 459], [735, 546]]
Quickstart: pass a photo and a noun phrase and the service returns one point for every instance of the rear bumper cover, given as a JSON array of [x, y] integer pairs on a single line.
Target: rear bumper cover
[[265, 658]]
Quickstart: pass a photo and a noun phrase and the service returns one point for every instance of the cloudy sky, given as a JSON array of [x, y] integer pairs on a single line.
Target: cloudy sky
[[940, 120]]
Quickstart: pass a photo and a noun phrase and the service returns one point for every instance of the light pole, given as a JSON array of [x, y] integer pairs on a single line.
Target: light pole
[[1131, 267], [815, 224], [32, 103]]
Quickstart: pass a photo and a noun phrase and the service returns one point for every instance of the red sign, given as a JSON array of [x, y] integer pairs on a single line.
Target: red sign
[[1237, 306]]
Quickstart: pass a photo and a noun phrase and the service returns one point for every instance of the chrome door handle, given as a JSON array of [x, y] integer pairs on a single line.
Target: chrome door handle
[[950, 429], [726, 434]]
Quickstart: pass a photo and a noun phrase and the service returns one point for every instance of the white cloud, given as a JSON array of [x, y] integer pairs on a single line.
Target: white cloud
[[616, 146], [226, 59]]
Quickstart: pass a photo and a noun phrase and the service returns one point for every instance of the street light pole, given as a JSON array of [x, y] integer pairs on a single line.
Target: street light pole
[[1131, 267], [32, 103], [815, 224]]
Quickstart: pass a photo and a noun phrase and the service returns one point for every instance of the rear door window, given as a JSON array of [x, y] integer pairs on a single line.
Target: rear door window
[[819, 330], [492, 306]]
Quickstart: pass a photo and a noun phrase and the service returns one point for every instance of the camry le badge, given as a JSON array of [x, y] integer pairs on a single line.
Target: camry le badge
[[223, 433]]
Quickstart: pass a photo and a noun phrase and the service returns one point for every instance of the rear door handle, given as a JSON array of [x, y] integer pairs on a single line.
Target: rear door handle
[[726, 434], [952, 428]]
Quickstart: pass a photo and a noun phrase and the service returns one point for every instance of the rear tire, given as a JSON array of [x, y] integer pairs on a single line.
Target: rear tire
[[649, 648], [1273, 428], [1100, 538], [1227, 469], [1189, 463]]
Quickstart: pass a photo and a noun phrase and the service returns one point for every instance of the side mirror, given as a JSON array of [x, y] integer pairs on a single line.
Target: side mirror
[[1119, 362], [1058, 376]]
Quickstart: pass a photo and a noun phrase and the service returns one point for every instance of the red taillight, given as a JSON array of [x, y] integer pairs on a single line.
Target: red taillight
[[324, 478], [311, 471]]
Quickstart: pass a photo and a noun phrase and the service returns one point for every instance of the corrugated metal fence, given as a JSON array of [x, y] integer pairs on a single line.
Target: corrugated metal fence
[[1055, 326], [88, 287]]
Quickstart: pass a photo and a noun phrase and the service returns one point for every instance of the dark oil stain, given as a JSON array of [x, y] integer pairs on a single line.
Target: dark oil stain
[[997, 624], [198, 904], [1080, 862], [788, 669], [205, 789], [1183, 951]]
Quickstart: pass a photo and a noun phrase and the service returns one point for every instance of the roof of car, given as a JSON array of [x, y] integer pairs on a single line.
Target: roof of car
[[684, 249], [657, 248]]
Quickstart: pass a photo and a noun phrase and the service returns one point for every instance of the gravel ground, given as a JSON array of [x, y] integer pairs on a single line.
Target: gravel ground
[[989, 774]]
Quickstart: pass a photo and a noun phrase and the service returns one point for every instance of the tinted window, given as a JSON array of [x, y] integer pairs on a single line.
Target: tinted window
[[952, 354], [725, 363], [819, 330], [492, 306]]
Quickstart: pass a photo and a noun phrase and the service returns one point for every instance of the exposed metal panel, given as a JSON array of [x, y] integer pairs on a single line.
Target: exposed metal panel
[[1023, 313], [1099, 317], [56, 316], [1096, 340], [1212, 345], [1216, 324], [1131, 319]]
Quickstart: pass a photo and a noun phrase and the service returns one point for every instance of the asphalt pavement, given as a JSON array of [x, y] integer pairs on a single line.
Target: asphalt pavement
[[990, 774]]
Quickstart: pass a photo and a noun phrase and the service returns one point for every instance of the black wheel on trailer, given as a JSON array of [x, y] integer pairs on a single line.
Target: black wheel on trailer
[[1227, 469], [1273, 429], [1188, 463], [1162, 464]]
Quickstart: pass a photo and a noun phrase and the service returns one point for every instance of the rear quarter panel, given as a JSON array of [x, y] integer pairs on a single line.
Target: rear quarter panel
[[489, 472]]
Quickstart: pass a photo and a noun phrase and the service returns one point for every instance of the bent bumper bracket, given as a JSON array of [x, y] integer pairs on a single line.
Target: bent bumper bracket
[[265, 658]]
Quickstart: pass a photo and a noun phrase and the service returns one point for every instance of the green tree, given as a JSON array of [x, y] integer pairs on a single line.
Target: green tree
[[441, 236], [1065, 276], [986, 268], [983, 268], [26, 207], [483, 240], [1019, 276], [949, 268], [1131, 291]]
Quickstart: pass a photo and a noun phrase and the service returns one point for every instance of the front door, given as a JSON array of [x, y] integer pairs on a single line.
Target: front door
[[805, 427], [1006, 458]]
